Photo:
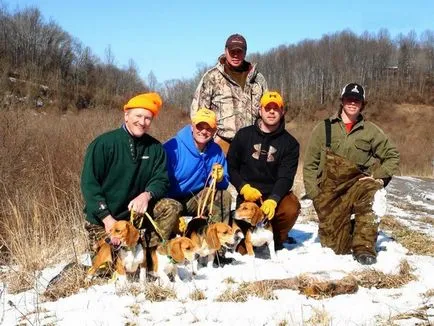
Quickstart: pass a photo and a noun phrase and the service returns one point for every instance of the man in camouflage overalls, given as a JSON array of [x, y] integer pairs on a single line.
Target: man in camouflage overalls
[[347, 161], [232, 89]]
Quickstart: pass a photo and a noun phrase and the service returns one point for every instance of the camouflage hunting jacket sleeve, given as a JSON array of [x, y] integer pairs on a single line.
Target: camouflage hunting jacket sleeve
[[235, 107]]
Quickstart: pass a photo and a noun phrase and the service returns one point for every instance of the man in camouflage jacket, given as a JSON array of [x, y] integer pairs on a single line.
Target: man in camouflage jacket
[[342, 173], [233, 89]]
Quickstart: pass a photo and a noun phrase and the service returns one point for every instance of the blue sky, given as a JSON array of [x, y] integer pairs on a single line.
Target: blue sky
[[172, 38]]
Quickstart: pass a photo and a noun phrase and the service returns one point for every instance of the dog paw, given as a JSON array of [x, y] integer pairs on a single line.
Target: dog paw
[[121, 280]]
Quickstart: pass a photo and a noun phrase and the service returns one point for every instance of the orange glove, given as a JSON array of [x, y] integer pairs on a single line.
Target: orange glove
[[269, 208], [217, 172], [250, 193]]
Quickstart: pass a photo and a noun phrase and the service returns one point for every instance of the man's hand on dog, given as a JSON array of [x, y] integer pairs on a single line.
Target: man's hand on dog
[[250, 193], [140, 203], [269, 208], [108, 224]]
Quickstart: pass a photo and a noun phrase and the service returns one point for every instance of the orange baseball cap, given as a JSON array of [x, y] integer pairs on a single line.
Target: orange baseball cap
[[271, 97], [205, 115]]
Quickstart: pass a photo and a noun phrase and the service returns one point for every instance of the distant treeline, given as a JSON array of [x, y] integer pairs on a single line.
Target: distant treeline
[[310, 74], [42, 64]]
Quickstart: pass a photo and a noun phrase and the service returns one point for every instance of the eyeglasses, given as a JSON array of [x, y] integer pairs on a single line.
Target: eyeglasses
[[275, 108]]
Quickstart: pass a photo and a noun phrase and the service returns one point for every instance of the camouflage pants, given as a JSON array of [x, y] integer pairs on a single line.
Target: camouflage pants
[[221, 208], [341, 195], [165, 213]]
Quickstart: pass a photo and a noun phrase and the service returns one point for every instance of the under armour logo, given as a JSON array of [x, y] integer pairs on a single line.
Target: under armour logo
[[270, 154], [258, 152], [355, 89]]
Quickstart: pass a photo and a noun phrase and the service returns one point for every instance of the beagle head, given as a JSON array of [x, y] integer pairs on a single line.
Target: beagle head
[[126, 233], [220, 234], [181, 249], [249, 212]]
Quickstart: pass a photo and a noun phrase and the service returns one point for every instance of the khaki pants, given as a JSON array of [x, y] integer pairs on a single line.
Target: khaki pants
[[341, 195], [287, 212], [166, 213]]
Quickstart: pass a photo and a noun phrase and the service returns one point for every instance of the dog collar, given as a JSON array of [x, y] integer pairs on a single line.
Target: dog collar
[[171, 260]]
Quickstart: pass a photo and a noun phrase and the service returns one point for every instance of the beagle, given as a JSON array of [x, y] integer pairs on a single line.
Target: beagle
[[174, 252], [126, 257], [209, 238], [250, 218]]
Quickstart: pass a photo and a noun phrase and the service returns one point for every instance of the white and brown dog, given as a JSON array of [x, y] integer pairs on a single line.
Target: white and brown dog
[[257, 232], [176, 252], [126, 258], [209, 238]]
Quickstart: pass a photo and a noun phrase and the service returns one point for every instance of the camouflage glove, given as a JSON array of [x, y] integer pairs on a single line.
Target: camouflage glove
[[269, 208], [250, 193], [217, 172]]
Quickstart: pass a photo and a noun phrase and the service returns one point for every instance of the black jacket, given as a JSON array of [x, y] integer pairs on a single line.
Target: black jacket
[[266, 161]]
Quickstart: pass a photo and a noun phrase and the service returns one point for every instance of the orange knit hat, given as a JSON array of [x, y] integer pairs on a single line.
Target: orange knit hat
[[148, 101]]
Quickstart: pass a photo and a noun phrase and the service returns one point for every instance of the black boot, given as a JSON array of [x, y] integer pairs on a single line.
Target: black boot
[[365, 258]]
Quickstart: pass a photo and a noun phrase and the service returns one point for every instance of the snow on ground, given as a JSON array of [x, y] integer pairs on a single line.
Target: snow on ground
[[409, 200]]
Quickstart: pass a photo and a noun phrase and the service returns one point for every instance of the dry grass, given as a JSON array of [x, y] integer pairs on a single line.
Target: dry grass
[[157, 293], [370, 278], [429, 293], [19, 281], [229, 280], [427, 220], [320, 317], [420, 313], [416, 242], [246, 290], [197, 295], [70, 281]]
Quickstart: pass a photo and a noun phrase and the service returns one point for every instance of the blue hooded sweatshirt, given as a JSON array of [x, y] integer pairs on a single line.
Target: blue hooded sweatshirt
[[188, 168]]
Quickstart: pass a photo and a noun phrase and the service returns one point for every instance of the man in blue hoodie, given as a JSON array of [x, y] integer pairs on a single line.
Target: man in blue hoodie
[[191, 156]]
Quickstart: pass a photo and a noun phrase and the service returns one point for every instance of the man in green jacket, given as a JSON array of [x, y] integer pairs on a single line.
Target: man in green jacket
[[348, 159], [125, 171]]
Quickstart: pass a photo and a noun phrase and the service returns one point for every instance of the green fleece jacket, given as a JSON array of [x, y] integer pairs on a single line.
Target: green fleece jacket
[[119, 167], [366, 145]]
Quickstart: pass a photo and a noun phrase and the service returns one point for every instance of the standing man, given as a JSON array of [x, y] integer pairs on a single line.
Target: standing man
[[232, 89], [125, 170], [263, 160], [191, 157], [347, 160]]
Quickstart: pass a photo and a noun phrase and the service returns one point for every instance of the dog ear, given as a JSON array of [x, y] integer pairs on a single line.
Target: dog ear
[[258, 215], [176, 251], [212, 238], [132, 235]]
